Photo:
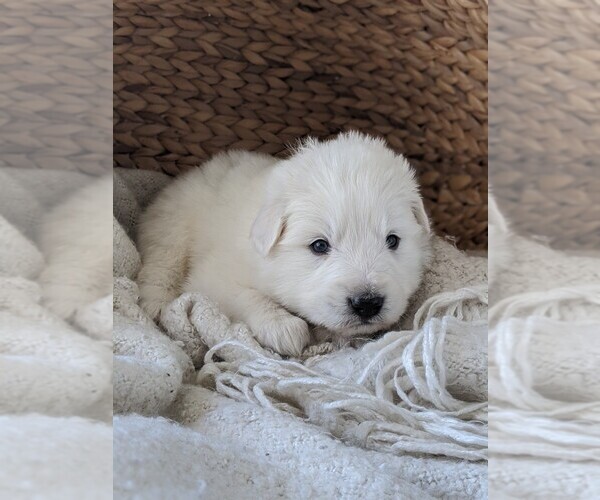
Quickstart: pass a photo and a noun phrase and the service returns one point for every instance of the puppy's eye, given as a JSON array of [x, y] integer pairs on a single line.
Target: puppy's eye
[[319, 247], [392, 241]]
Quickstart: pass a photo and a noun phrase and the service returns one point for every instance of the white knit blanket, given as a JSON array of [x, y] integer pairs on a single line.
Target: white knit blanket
[[205, 412], [544, 437], [55, 377], [404, 416]]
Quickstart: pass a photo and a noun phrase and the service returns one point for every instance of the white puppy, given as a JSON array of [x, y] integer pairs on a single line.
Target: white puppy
[[335, 237]]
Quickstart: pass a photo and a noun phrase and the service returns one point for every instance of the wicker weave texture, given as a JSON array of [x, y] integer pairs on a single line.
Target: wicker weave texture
[[55, 85], [545, 118], [195, 78]]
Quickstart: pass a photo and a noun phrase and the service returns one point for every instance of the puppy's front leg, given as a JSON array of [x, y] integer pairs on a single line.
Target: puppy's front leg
[[271, 324]]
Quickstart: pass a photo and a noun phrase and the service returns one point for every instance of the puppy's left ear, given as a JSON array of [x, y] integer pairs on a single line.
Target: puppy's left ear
[[495, 217], [421, 215], [268, 226]]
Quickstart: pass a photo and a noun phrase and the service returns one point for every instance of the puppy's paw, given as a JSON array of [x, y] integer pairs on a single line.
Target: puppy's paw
[[154, 303], [286, 334]]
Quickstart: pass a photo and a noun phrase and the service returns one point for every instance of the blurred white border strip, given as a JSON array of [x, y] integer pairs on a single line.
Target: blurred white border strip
[[55, 249], [544, 161]]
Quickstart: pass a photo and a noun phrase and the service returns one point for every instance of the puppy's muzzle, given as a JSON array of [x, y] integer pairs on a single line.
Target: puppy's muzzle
[[366, 306]]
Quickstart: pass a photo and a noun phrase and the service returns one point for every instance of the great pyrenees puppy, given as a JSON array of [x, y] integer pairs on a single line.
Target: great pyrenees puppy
[[332, 240]]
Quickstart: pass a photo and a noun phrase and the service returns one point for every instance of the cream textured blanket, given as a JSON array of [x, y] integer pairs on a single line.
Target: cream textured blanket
[[55, 376], [403, 416], [544, 437], [205, 412]]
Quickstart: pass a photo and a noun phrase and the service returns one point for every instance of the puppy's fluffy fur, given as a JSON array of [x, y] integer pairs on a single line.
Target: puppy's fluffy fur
[[239, 230]]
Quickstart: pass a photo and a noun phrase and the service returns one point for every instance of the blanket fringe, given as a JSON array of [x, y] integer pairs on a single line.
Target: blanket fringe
[[409, 410], [523, 420], [552, 303]]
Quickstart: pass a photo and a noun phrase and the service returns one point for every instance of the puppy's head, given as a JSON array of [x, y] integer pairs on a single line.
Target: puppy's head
[[343, 234]]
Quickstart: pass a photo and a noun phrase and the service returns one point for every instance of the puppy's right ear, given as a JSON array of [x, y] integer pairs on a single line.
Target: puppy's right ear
[[421, 215], [268, 226]]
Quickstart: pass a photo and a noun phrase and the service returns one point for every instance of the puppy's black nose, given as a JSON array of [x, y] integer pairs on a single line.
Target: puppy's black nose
[[367, 305]]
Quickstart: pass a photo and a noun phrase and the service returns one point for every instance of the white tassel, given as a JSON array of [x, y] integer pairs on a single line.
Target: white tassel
[[409, 409], [523, 421]]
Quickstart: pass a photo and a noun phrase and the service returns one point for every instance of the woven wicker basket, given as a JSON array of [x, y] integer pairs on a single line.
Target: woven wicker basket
[[194, 78], [545, 118], [55, 85]]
